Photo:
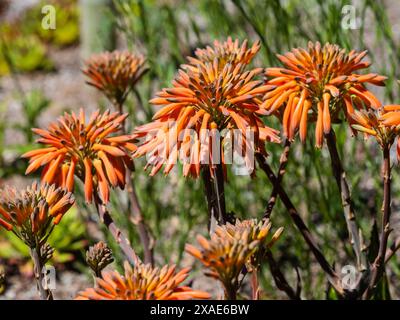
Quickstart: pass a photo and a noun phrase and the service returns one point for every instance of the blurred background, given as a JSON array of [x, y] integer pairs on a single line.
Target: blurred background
[[40, 78]]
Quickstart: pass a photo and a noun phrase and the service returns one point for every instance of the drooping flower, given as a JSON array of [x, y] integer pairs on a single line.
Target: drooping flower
[[92, 151], [232, 247], [211, 106], [114, 73], [32, 212], [143, 282], [383, 124], [317, 84]]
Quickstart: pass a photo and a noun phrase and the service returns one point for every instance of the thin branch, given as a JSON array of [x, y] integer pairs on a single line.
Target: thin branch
[[281, 172], [215, 194], [137, 218], [340, 177], [392, 250], [119, 237], [378, 267], [45, 294], [301, 226], [220, 193], [279, 278]]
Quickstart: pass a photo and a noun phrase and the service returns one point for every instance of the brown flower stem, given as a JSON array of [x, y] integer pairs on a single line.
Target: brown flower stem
[[231, 292], [215, 195], [45, 294], [301, 226], [281, 172], [119, 237], [378, 267], [392, 250], [137, 218], [255, 290], [208, 190], [146, 239], [340, 177], [279, 277], [220, 192]]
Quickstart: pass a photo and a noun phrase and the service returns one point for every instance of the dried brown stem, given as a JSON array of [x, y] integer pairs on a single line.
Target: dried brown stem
[[137, 218], [119, 237], [349, 214], [301, 226], [392, 250], [378, 267], [279, 277], [281, 172], [215, 194], [45, 294]]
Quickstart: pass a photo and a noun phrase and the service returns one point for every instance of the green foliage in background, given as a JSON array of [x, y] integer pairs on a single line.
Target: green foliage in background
[[27, 41]]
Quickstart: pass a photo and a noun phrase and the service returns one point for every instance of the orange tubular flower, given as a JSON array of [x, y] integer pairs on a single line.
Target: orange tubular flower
[[114, 73], [89, 151], [231, 248], [383, 124], [31, 213], [317, 84], [212, 95], [143, 282]]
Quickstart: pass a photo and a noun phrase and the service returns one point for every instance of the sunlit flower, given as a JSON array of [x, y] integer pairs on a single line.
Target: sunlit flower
[[316, 84], [143, 282], [91, 151], [212, 96], [225, 52], [98, 257], [232, 247], [383, 124], [114, 73], [32, 212]]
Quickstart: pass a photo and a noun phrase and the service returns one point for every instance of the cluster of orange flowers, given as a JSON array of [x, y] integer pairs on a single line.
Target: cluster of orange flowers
[[114, 73], [383, 124], [231, 248], [31, 213], [316, 84], [143, 282], [215, 91], [92, 151]]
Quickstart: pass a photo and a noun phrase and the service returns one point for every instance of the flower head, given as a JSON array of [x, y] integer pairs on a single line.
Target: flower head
[[114, 73], [32, 213], [226, 52], [91, 151], [143, 282], [383, 124], [231, 248], [316, 84], [99, 256], [213, 99]]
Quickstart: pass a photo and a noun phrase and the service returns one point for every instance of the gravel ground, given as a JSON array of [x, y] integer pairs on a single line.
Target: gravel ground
[[67, 286]]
